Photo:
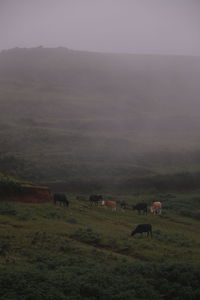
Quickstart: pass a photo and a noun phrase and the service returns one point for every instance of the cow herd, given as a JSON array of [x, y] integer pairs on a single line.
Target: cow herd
[[141, 208]]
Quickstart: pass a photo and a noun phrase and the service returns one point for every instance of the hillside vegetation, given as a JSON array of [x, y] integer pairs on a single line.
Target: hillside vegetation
[[84, 252], [88, 121]]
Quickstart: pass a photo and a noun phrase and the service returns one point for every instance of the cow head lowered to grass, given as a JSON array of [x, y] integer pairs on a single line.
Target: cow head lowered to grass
[[143, 228]]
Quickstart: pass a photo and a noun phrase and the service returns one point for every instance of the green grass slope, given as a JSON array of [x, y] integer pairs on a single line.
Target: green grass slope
[[83, 252]]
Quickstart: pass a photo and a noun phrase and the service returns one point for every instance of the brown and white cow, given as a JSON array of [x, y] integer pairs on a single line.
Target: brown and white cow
[[156, 208], [112, 204]]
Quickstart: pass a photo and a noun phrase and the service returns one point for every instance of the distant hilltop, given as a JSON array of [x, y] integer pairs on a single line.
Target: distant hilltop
[[148, 78]]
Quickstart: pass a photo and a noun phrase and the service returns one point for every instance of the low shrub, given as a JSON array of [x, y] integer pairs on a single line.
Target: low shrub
[[7, 208], [87, 235]]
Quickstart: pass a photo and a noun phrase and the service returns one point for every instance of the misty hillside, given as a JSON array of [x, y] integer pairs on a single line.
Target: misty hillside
[[68, 114]]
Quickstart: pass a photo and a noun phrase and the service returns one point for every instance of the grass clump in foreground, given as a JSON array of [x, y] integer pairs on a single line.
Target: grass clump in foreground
[[87, 235], [88, 280]]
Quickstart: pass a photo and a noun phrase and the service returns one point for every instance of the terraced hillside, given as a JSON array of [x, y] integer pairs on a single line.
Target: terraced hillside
[[84, 252]]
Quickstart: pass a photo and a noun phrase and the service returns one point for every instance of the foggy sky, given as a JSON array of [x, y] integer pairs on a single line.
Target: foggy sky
[[132, 26]]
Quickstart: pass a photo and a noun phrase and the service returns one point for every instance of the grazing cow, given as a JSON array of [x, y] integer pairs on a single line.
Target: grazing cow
[[141, 207], [123, 204], [61, 198], [156, 208], [143, 228], [112, 204], [94, 199]]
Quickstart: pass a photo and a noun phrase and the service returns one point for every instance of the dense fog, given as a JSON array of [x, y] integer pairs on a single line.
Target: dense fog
[[72, 104], [68, 113]]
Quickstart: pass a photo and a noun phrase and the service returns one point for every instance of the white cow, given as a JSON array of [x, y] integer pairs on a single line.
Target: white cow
[[156, 208]]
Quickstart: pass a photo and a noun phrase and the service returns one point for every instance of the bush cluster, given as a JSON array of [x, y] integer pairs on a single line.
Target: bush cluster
[[86, 281], [87, 235]]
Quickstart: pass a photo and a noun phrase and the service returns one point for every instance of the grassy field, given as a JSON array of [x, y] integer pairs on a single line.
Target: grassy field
[[83, 252], [125, 126]]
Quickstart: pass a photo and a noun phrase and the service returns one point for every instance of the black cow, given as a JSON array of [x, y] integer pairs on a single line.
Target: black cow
[[141, 207], [143, 228], [94, 199], [61, 198], [123, 204]]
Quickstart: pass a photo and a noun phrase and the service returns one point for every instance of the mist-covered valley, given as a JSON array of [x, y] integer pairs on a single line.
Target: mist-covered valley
[[88, 121]]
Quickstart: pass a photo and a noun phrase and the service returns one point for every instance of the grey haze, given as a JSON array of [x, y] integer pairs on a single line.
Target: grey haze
[[132, 26]]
